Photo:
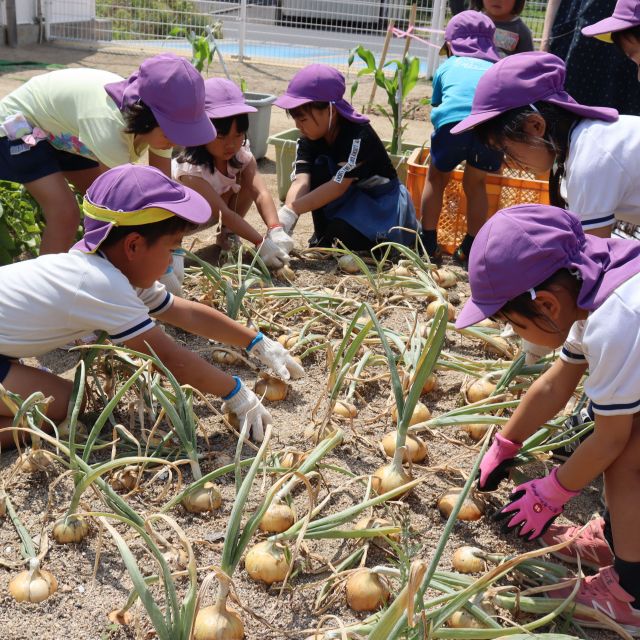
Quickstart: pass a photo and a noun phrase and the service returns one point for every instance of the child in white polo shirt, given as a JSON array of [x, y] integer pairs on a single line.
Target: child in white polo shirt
[[135, 216]]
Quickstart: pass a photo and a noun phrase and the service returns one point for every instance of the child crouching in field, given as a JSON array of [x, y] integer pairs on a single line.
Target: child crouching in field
[[533, 267], [135, 216], [470, 51], [226, 174], [342, 172]]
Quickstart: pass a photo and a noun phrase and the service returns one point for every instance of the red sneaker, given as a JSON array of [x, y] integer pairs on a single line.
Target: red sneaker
[[590, 545], [603, 593]]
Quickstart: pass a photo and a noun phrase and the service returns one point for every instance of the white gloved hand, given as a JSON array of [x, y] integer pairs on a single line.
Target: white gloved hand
[[247, 406], [272, 255], [533, 352], [281, 238], [174, 275], [288, 218], [273, 355]]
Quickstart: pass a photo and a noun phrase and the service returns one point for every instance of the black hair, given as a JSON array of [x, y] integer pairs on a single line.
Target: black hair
[[524, 305], [151, 232], [139, 118], [631, 32], [478, 5], [510, 126], [307, 109], [199, 155]]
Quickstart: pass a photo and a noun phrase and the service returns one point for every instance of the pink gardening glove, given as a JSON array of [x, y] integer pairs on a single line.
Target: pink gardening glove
[[496, 463], [535, 505]]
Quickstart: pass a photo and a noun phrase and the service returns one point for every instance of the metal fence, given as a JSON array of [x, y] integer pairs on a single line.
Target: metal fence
[[287, 32]]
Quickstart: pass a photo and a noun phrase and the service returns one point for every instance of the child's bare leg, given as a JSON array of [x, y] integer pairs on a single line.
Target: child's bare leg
[[432, 196], [24, 381], [474, 185], [622, 487], [82, 179], [60, 211]]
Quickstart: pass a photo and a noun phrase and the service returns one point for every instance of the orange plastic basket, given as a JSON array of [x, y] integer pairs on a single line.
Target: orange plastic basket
[[504, 189]]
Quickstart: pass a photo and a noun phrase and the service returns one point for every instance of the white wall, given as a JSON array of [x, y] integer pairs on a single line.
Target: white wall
[[68, 10]]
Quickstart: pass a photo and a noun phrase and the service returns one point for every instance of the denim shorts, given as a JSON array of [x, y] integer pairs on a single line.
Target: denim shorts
[[5, 365], [449, 150], [37, 162]]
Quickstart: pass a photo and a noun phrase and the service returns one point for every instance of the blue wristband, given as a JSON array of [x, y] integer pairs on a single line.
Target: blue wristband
[[255, 341], [235, 389]]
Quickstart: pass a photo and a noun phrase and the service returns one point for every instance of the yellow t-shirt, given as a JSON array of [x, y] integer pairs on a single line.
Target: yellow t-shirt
[[77, 114]]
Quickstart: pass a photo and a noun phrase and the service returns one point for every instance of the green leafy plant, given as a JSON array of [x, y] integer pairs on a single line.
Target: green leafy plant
[[21, 222], [396, 86], [203, 46]]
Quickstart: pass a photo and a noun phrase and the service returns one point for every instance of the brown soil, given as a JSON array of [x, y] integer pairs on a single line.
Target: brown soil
[[92, 579]]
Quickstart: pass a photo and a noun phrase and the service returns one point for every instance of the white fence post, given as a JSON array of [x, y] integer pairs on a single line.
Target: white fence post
[[243, 29], [437, 22]]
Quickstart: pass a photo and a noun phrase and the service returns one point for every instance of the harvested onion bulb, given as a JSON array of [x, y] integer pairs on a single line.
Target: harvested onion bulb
[[267, 562], [420, 413], [34, 584], [445, 278], [348, 264], [344, 409], [288, 342], [463, 619], [286, 273], [392, 475], [433, 307], [479, 389], [203, 499], [476, 431], [224, 357], [34, 460], [70, 529], [273, 389], [416, 449], [466, 560], [126, 479], [218, 623], [471, 509], [292, 459], [277, 518], [366, 590]]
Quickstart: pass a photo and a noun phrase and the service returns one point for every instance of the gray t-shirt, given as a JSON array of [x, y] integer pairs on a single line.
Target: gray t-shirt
[[512, 36]]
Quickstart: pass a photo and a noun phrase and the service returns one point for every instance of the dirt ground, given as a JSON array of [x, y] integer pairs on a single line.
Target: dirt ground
[[89, 590]]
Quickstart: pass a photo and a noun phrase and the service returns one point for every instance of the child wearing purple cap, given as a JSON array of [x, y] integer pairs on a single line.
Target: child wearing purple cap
[[621, 29], [470, 52], [521, 108], [533, 267], [226, 174], [74, 124], [512, 34], [342, 172], [135, 217]]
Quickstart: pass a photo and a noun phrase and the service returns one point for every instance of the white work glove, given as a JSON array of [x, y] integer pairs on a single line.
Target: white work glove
[[174, 275], [273, 355], [281, 238], [533, 352], [288, 218], [247, 406], [272, 255]]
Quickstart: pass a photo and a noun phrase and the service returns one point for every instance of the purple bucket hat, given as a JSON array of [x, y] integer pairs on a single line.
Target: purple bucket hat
[[133, 188], [470, 34], [174, 91], [519, 248], [625, 16], [319, 83], [223, 98], [523, 79]]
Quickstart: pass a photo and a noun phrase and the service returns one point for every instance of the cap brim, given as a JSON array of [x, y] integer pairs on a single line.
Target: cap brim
[[187, 134], [228, 110], [473, 313], [92, 240], [290, 102], [475, 119], [602, 30], [193, 208]]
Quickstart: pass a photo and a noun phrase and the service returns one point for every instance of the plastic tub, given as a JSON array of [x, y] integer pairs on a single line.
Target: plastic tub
[[259, 121]]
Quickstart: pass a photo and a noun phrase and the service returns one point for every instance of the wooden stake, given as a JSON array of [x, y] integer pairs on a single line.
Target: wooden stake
[[383, 57], [412, 22]]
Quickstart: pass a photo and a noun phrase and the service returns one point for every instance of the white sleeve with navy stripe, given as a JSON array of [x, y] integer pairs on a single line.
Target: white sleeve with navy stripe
[[55, 299], [602, 180], [608, 341]]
